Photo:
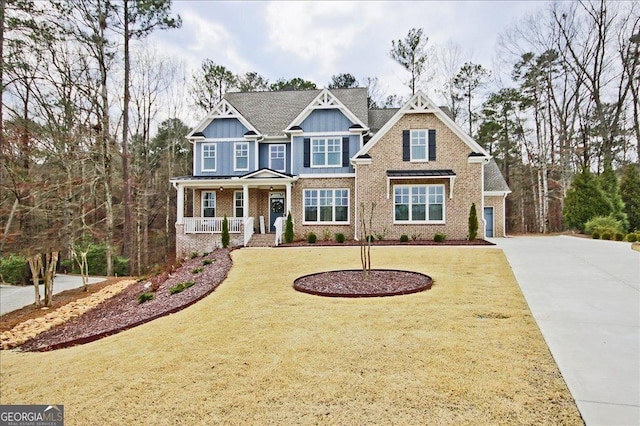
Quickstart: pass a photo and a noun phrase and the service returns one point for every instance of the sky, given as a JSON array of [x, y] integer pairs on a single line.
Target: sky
[[315, 40]]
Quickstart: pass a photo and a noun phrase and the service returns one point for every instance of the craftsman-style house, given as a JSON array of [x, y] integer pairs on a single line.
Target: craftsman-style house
[[322, 155]]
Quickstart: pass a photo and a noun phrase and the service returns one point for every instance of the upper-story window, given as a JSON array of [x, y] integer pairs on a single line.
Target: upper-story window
[[277, 157], [241, 156], [209, 157], [419, 203], [419, 146], [326, 152]]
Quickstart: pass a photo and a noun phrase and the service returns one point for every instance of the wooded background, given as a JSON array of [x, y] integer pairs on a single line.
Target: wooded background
[[93, 117]]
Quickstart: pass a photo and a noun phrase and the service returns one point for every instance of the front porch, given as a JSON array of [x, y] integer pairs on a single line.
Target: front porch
[[253, 204]]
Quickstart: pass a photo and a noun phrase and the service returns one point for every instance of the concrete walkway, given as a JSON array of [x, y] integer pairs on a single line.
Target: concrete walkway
[[585, 297], [16, 297]]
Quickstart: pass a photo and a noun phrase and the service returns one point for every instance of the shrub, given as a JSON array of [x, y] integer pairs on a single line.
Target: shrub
[[606, 235], [288, 230], [595, 235], [207, 262], [180, 287], [311, 238], [370, 238], [473, 222], [404, 238], [603, 223], [205, 254], [225, 232], [194, 255], [326, 235], [632, 238], [177, 289], [14, 269], [438, 238], [618, 236], [340, 238], [415, 237], [145, 297], [196, 270]]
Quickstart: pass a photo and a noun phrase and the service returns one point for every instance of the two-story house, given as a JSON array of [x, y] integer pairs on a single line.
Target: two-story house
[[325, 157]]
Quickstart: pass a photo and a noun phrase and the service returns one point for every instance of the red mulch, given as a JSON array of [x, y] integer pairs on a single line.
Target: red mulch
[[304, 243], [123, 310], [353, 283]]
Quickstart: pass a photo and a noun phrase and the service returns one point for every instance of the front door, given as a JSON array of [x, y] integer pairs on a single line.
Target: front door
[[276, 210], [488, 218]]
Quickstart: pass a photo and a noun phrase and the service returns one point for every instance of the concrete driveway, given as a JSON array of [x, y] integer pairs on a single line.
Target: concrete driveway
[[585, 297], [16, 297]]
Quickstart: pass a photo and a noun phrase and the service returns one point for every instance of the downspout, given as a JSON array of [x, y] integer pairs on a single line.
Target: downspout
[[355, 201], [484, 222]]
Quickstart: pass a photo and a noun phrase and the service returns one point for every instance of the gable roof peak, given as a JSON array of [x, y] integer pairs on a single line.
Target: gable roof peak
[[326, 100]]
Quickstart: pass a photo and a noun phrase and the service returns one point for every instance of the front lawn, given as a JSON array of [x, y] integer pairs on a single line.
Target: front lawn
[[257, 352]]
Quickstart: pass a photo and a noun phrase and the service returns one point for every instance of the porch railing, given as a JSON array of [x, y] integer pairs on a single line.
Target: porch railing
[[211, 225], [248, 230], [279, 225]]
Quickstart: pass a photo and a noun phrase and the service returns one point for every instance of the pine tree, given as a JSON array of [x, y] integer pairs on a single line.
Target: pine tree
[[585, 200], [630, 194], [473, 222], [609, 184]]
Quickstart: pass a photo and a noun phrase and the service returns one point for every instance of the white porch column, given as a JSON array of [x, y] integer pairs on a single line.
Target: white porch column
[[245, 200], [288, 198], [180, 205]]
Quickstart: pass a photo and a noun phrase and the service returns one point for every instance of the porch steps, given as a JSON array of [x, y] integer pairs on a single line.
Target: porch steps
[[262, 240]]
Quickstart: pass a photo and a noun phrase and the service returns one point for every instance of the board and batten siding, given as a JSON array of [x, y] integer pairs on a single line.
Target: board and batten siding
[[298, 157], [225, 128], [263, 161], [326, 120], [224, 159]]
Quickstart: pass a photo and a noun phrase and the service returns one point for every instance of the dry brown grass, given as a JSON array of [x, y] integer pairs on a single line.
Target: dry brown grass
[[256, 352]]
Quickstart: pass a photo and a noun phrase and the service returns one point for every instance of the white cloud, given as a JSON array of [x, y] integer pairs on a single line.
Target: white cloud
[[204, 38], [320, 33]]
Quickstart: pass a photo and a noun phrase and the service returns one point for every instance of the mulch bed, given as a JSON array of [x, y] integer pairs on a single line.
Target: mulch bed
[[353, 283], [123, 311], [304, 243]]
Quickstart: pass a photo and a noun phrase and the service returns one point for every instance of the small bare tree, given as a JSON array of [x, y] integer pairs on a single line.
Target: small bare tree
[[51, 259], [365, 239], [35, 264], [80, 256]]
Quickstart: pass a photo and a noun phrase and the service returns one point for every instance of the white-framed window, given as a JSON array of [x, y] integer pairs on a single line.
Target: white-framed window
[[240, 156], [278, 157], [209, 157], [326, 206], [326, 152], [208, 204], [419, 145], [238, 204], [418, 203]]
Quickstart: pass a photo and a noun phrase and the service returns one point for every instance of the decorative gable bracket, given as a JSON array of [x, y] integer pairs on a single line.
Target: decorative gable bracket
[[224, 110], [325, 100]]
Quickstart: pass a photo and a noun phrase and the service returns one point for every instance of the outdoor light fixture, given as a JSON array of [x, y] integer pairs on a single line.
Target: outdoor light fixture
[[221, 188], [271, 188]]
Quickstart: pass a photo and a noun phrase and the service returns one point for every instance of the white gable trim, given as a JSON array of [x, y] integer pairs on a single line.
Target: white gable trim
[[265, 173], [421, 104], [222, 110], [326, 100]]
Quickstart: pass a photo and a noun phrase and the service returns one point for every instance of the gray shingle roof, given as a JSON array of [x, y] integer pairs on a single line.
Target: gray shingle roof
[[493, 180], [272, 112], [379, 117]]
